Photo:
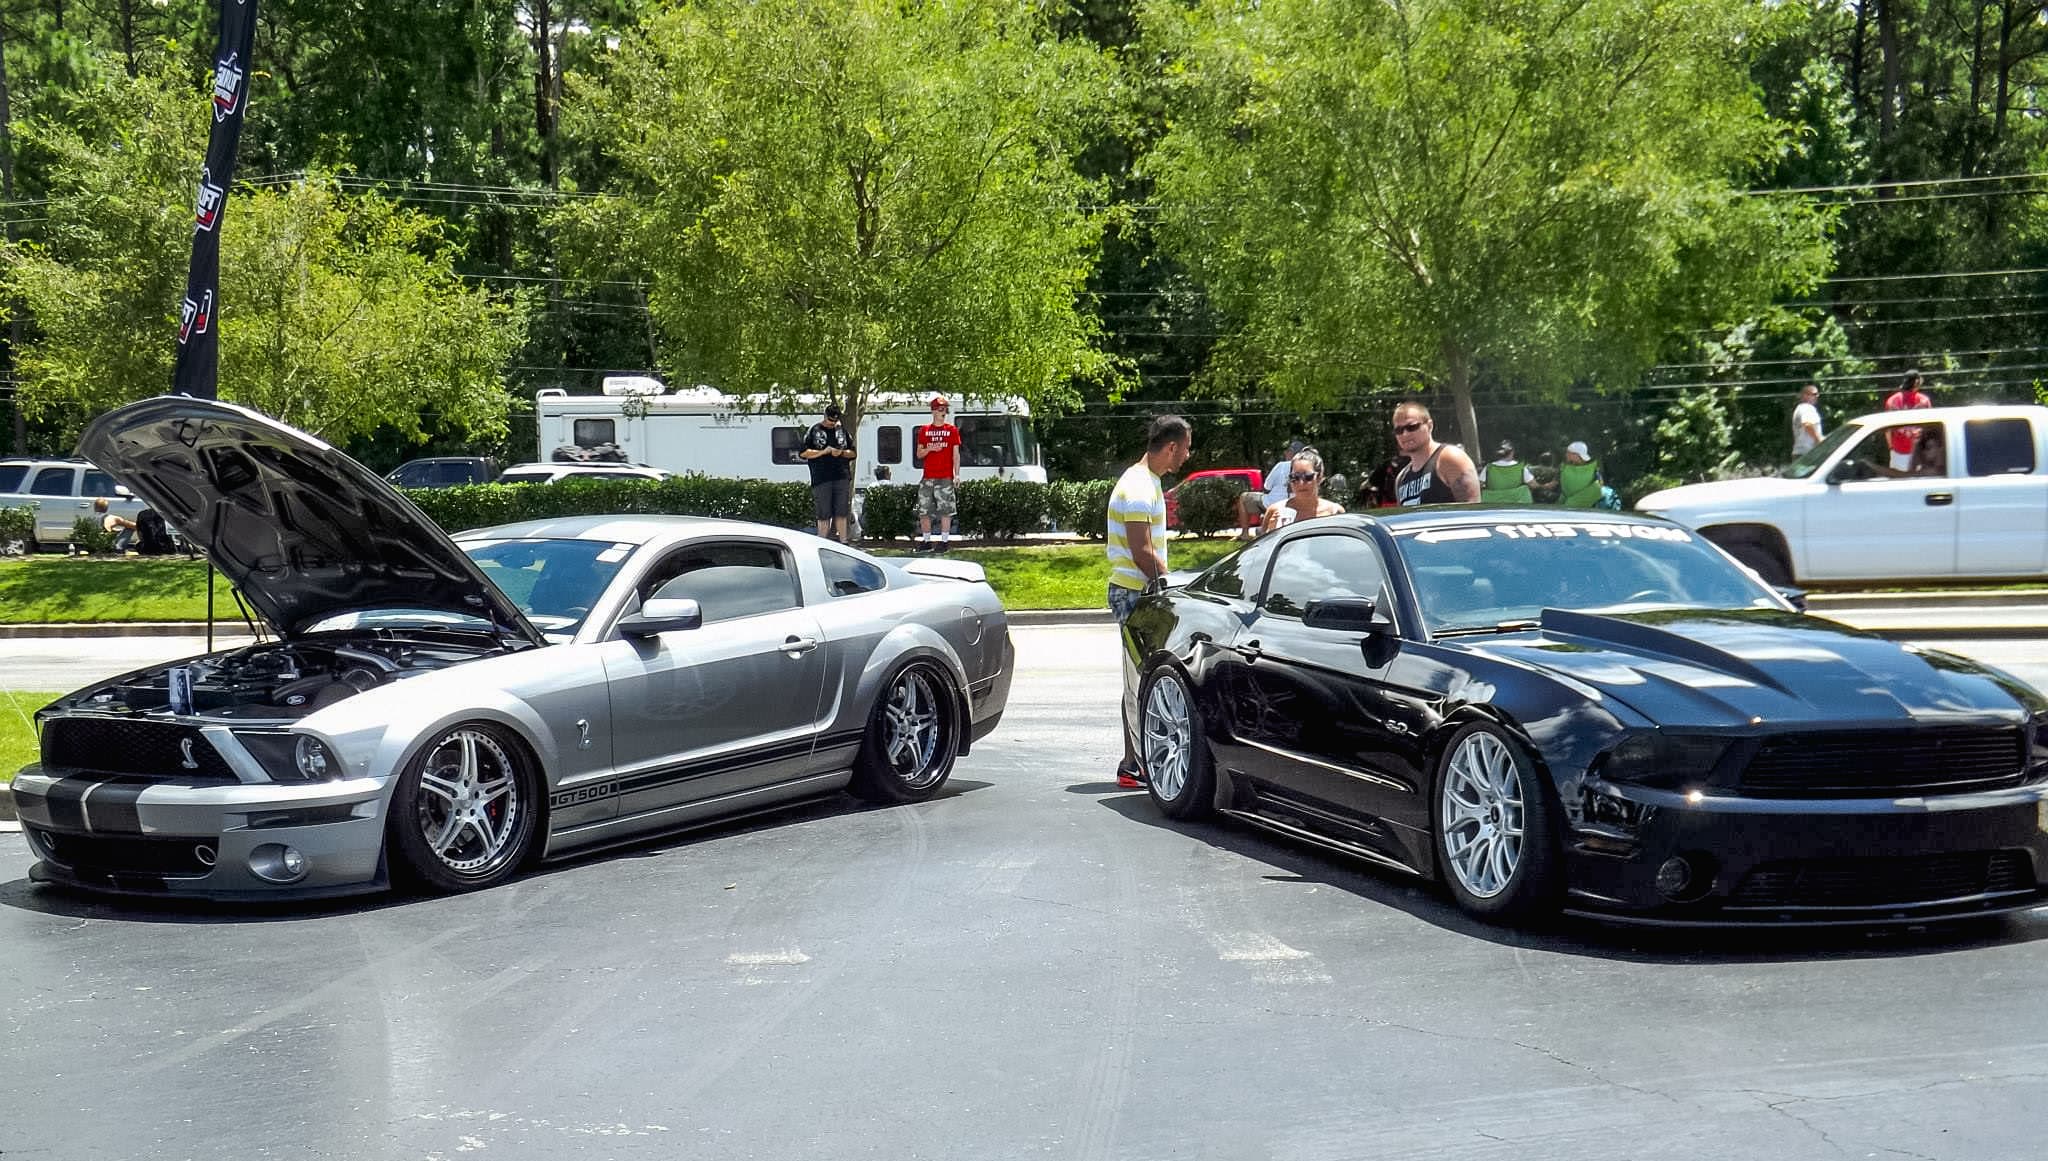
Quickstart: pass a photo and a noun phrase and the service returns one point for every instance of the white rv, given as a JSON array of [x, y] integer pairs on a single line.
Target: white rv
[[705, 431]]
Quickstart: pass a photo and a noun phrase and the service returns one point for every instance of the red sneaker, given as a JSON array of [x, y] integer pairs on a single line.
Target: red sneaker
[[1128, 781]]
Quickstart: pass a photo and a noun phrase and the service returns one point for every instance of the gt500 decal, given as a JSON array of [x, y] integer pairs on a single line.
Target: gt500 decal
[[584, 794]]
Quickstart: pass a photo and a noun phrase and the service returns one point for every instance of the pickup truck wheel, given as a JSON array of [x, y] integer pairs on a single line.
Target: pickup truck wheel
[[1763, 559]]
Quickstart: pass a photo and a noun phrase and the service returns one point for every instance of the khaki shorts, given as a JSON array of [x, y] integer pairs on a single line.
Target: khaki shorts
[[935, 498]]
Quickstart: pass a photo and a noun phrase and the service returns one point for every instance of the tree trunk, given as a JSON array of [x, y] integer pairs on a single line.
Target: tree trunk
[[1888, 44], [2004, 72], [128, 36], [1856, 55], [544, 89], [14, 315], [1458, 368]]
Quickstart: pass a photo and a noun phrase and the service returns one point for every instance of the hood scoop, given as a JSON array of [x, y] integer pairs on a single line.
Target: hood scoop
[[1633, 634]]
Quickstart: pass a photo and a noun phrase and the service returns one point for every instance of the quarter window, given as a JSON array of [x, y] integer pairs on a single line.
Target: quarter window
[[594, 432], [53, 482], [98, 483], [1316, 568], [889, 445], [1999, 447], [729, 580], [847, 575], [784, 443]]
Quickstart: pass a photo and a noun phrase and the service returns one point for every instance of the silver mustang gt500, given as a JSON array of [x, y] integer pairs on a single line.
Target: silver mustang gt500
[[438, 711]]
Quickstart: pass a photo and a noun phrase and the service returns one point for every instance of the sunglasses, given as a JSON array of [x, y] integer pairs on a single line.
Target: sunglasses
[[1405, 428], [1301, 477]]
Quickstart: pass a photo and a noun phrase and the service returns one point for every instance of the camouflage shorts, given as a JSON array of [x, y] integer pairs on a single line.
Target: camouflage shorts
[[935, 498]]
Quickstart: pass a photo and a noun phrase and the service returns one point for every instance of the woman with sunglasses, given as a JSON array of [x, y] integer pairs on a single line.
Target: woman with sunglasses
[[1304, 494]]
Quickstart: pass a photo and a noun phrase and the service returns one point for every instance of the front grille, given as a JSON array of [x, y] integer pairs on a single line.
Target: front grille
[[1860, 764], [132, 746], [91, 854], [1876, 882]]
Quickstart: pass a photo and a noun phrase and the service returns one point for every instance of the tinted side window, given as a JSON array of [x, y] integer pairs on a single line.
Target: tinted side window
[[410, 476], [846, 575], [729, 581], [53, 482], [10, 476], [98, 483], [1999, 447], [592, 432], [1236, 576], [889, 445], [1317, 568], [784, 443]]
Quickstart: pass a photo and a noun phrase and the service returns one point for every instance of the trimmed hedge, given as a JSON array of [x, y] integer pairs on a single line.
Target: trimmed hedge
[[1080, 506], [989, 509], [17, 529], [1208, 506], [91, 537]]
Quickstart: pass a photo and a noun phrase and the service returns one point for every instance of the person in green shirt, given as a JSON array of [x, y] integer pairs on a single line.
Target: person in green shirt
[[1506, 480], [1579, 483]]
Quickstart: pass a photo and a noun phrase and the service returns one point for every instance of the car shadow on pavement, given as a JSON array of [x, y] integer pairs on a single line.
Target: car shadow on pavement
[[75, 903], [1301, 863]]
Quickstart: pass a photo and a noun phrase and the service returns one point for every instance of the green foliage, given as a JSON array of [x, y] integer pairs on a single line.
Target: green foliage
[[1080, 506], [1000, 509], [868, 196], [785, 504], [1693, 438], [888, 511], [1455, 192], [340, 313], [17, 530], [1209, 506], [1645, 484], [91, 537]]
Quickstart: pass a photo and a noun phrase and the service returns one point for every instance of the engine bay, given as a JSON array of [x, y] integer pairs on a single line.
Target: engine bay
[[283, 679]]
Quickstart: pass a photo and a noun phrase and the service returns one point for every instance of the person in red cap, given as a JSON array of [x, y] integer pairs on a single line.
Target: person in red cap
[[938, 450]]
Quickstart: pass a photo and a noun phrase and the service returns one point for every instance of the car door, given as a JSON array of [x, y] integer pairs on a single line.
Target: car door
[[54, 492], [2002, 498], [730, 706], [1870, 524], [99, 485], [1317, 704]]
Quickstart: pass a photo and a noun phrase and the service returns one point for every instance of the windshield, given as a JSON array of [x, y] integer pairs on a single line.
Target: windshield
[[554, 582], [1810, 462], [1483, 575], [997, 441]]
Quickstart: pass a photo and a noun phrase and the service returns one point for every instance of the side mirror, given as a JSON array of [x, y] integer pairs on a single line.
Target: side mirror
[[662, 615], [1347, 615], [1795, 595]]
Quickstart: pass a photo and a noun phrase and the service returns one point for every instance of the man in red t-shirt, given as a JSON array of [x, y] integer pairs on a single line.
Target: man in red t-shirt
[[1907, 398], [938, 449]]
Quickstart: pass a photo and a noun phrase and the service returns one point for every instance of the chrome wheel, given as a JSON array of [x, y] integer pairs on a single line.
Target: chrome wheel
[[912, 729], [1169, 736], [1483, 815], [470, 812]]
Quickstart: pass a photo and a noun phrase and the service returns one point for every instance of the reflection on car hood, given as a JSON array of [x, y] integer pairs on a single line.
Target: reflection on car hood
[[1731, 668], [303, 531]]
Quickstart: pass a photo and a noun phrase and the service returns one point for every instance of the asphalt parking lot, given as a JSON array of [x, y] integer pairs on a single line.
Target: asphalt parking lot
[[1034, 964]]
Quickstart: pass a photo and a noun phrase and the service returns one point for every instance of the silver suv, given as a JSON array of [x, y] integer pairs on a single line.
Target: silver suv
[[60, 491]]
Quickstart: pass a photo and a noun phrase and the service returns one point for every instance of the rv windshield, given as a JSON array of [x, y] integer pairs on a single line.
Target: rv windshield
[[997, 441]]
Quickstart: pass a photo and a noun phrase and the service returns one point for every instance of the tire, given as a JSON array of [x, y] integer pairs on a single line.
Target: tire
[[1762, 559], [1180, 772], [465, 812], [1496, 830], [912, 738]]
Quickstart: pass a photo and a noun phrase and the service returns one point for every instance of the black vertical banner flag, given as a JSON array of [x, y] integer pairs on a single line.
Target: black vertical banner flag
[[198, 368]]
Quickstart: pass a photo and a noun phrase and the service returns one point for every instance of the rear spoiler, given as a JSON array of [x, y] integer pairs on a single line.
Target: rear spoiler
[[939, 568]]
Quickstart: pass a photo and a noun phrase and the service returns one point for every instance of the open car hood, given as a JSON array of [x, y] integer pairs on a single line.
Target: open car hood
[[303, 531]]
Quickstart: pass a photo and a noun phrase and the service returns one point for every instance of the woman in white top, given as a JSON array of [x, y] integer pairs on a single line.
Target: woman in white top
[[1304, 494]]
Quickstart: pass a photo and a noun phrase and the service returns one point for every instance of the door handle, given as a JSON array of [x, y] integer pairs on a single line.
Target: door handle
[[796, 646], [1251, 651], [1940, 499]]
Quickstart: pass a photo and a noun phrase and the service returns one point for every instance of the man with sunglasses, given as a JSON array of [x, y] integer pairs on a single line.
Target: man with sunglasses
[[1437, 473]]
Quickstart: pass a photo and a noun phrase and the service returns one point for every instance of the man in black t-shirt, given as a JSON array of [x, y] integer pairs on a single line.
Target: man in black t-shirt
[[828, 448]]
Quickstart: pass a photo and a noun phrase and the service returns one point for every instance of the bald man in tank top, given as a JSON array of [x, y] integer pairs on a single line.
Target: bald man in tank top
[[1437, 473]]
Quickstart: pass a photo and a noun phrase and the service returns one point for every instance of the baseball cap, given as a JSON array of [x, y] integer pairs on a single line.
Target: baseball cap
[[940, 401], [1578, 447], [831, 411]]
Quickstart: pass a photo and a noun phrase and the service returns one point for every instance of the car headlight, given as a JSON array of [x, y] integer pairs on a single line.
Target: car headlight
[[291, 757], [1664, 760]]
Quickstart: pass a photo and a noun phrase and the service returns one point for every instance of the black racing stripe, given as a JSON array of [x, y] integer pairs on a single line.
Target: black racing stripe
[[111, 808], [64, 797], [650, 779], [840, 738]]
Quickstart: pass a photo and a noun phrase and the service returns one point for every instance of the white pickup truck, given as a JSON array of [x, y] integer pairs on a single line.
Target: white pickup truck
[[1973, 504]]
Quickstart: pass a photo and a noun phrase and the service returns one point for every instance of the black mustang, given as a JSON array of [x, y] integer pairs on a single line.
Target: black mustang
[[1588, 711]]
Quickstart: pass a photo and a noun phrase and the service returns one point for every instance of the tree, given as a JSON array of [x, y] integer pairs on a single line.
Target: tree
[[340, 313], [853, 197], [1528, 194]]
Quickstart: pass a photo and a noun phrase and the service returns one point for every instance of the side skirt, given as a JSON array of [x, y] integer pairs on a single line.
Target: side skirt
[[1377, 858], [690, 815]]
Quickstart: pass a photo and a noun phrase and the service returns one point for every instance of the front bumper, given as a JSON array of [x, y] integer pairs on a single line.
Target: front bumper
[[166, 837], [1850, 862]]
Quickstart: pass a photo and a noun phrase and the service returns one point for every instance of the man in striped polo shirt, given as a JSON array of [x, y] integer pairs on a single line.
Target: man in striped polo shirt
[[1137, 535]]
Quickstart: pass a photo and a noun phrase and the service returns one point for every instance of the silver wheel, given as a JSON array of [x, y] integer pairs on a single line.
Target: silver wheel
[[912, 729], [470, 811], [1483, 815], [1169, 736]]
